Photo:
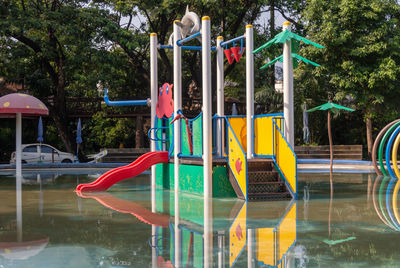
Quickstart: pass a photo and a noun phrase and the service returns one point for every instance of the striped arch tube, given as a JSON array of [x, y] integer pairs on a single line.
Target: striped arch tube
[[386, 146]]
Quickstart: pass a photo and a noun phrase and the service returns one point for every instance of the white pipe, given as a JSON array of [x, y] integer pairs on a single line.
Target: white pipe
[[18, 144], [220, 135], [288, 107], [250, 248], [207, 106], [177, 134], [153, 96], [207, 138], [19, 207], [249, 90]]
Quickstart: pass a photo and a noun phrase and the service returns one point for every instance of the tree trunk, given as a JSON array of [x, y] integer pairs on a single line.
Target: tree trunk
[[330, 141], [368, 123]]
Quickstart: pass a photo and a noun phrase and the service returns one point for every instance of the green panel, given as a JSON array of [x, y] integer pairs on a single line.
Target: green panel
[[163, 174], [170, 135], [221, 185], [191, 179], [185, 247], [192, 210], [184, 141], [198, 251], [197, 134], [160, 201]]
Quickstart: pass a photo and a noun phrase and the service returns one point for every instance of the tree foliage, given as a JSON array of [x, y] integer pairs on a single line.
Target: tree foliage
[[360, 64]]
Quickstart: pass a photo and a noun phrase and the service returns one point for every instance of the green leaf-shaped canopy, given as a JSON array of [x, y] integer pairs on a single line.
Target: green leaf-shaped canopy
[[283, 36], [294, 55], [330, 106]]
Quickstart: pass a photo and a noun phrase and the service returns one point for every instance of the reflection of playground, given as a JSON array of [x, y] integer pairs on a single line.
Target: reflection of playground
[[124, 206], [237, 227], [385, 194]]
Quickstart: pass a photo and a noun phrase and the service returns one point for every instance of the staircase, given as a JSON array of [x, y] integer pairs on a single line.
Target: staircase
[[264, 182], [272, 173]]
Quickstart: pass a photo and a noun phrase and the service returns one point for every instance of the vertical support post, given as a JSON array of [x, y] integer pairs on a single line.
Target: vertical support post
[[288, 107], [249, 90], [220, 135], [18, 144], [19, 207], [153, 96], [250, 248], [177, 134], [207, 138], [18, 173]]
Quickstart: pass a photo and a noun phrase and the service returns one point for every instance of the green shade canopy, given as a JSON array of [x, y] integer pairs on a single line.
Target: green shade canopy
[[294, 55], [330, 106], [283, 36]]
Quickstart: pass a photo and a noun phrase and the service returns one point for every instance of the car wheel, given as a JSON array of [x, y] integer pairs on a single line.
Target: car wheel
[[66, 161]]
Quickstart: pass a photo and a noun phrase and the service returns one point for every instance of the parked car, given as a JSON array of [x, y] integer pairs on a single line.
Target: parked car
[[44, 153]]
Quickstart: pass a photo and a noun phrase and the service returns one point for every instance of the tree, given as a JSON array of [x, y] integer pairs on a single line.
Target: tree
[[55, 39], [361, 61]]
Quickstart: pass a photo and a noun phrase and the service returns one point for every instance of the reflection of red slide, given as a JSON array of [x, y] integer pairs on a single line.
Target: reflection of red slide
[[124, 206], [115, 175]]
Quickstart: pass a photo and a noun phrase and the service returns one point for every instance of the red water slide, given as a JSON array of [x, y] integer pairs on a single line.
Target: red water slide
[[115, 175]]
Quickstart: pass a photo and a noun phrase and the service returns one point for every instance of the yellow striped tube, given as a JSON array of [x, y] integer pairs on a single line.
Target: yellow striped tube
[[394, 155]]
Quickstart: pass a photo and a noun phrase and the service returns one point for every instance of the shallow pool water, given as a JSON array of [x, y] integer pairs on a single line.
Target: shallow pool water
[[47, 224]]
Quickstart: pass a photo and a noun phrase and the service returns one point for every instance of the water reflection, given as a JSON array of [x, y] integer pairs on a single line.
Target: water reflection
[[124, 228], [233, 232], [17, 245], [385, 193]]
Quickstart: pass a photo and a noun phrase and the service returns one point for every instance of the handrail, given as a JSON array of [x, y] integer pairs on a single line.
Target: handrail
[[232, 40], [285, 167], [180, 42], [124, 103]]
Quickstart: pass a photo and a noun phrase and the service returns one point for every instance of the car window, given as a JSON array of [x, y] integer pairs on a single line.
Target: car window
[[46, 149], [30, 149]]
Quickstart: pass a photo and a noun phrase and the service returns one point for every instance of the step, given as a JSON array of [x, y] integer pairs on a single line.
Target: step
[[270, 196], [266, 188]]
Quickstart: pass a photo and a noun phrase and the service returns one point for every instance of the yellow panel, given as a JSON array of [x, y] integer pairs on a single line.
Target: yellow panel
[[287, 231], [265, 246], [237, 235], [286, 160], [239, 126], [237, 162], [263, 131]]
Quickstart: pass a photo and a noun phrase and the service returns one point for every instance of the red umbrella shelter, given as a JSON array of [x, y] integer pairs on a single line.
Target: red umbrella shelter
[[18, 105]]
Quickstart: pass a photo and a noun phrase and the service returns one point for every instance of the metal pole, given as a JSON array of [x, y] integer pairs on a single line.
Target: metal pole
[[250, 248], [177, 135], [19, 207], [249, 90], [153, 96], [153, 101], [207, 106], [207, 138], [220, 135], [18, 144], [288, 113]]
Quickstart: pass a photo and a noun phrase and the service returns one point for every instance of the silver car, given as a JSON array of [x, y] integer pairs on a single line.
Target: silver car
[[42, 153]]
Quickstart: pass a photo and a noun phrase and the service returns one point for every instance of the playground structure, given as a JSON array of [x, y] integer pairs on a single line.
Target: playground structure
[[247, 156], [386, 146]]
